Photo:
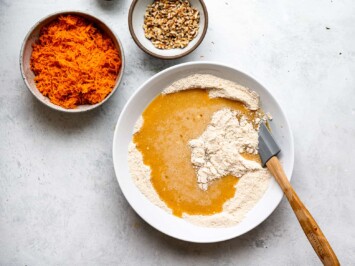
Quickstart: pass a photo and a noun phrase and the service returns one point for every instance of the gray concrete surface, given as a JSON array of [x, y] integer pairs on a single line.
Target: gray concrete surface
[[60, 203]]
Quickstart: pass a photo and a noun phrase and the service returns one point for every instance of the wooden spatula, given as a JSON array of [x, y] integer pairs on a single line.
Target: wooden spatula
[[268, 149]]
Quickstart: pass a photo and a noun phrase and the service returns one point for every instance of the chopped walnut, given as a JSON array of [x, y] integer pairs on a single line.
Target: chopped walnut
[[171, 23]]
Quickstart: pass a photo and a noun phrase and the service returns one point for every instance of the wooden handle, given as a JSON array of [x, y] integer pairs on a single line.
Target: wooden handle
[[315, 236]]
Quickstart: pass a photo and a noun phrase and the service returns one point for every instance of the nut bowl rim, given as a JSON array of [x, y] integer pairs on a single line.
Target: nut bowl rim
[[142, 47]]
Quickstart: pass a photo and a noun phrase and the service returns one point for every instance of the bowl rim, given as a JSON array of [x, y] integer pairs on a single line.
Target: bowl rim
[[94, 19], [142, 47], [125, 192]]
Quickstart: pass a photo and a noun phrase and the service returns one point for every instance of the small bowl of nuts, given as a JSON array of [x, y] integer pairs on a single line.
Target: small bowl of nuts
[[168, 29]]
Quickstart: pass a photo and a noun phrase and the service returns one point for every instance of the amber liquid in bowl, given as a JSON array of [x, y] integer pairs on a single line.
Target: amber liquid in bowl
[[170, 122]]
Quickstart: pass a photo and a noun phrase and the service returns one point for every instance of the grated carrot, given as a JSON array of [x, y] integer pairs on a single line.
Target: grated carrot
[[74, 62]]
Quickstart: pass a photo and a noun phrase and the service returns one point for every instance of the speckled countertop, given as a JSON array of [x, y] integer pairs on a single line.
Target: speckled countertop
[[60, 203]]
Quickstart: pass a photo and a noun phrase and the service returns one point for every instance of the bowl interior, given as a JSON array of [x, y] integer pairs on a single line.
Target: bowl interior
[[26, 52], [136, 21], [157, 217]]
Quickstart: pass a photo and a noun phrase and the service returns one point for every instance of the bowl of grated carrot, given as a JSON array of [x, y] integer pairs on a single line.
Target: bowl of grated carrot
[[71, 61]]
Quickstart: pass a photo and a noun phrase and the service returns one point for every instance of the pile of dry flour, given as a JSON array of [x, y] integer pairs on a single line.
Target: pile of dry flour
[[218, 88], [215, 153]]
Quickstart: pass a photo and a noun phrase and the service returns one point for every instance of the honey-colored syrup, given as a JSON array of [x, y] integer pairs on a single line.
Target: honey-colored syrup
[[170, 121]]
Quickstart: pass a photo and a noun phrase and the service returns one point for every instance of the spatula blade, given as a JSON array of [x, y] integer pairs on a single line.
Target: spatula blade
[[267, 144]]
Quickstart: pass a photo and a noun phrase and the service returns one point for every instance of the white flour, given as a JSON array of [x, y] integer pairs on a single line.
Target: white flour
[[138, 124], [141, 175], [218, 88], [215, 154]]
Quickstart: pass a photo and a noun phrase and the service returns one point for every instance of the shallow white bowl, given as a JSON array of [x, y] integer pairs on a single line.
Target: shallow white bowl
[[155, 216], [136, 21], [26, 52]]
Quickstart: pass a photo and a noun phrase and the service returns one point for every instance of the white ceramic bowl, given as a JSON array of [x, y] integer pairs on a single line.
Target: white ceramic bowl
[[26, 52], [155, 216], [136, 21]]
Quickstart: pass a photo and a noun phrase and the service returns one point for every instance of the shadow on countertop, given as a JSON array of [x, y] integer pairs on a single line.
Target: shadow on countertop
[[109, 4], [59, 122], [256, 238]]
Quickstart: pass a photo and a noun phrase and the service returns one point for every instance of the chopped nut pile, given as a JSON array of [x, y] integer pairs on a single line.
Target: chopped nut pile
[[171, 23]]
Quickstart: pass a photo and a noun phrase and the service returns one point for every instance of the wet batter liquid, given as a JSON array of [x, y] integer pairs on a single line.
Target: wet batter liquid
[[170, 121]]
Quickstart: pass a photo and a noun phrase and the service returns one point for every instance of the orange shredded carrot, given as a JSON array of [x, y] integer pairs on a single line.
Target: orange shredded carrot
[[74, 62]]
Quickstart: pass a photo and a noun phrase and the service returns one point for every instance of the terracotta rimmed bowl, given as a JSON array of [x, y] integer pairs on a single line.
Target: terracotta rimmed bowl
[[26, 51], [157, 217], [136, 21]]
